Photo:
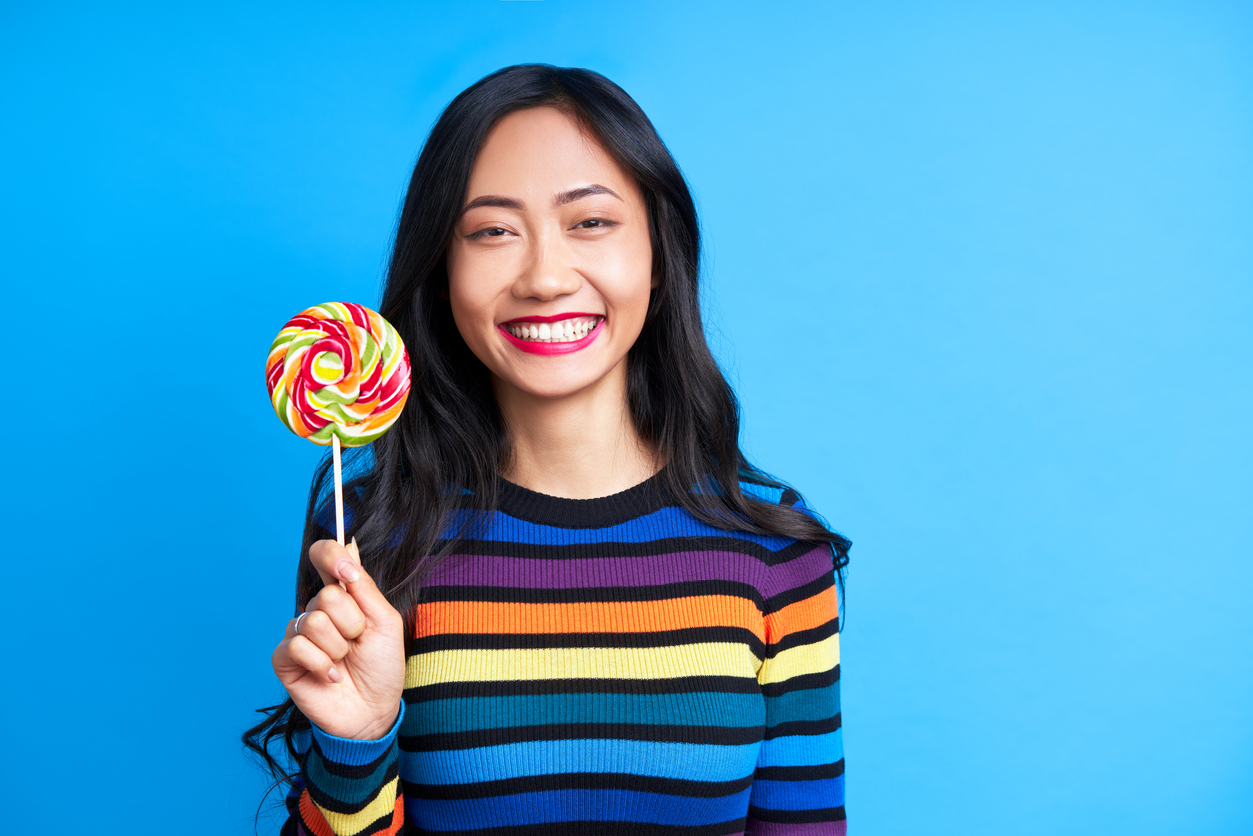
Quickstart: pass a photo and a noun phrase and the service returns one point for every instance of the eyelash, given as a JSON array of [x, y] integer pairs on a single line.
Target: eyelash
[[601, 222]]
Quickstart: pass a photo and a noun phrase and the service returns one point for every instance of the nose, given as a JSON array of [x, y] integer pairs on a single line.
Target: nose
[[548, 273]]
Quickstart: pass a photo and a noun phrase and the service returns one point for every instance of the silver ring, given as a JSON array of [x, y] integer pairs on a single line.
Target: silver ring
[[296, 629]]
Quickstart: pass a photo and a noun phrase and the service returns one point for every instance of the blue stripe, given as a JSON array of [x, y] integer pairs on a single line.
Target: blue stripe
[[665, 522], [799, 795], [803, 750], [554, 806], [690, 761], [701, 708]]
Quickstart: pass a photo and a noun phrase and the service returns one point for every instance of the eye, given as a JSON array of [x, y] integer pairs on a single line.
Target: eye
[[484, 232], [600, 222]]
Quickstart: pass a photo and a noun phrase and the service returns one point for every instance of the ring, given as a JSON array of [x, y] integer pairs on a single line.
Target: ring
[[296, 629]]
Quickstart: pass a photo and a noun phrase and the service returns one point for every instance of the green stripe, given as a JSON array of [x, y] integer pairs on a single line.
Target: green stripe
[[704, 708], [809, 704]]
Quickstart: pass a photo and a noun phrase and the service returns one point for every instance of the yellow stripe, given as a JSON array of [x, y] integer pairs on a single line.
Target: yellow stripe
[[347, 823], [702, 659], [807, 658]]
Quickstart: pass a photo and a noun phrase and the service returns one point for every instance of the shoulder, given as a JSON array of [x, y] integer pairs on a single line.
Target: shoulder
[[776, 493], [805, 524]]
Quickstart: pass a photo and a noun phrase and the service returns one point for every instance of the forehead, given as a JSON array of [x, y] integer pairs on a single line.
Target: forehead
[[540, 151]]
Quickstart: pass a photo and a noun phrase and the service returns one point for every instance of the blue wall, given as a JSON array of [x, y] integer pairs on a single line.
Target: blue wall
[[983, 277]]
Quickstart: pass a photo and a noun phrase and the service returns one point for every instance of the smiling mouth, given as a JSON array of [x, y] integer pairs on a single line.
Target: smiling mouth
[[567, 330]]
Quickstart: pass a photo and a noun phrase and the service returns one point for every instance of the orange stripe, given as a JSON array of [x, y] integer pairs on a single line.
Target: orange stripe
[[398, 815], [588, 617], [814, 611], [311, 817]]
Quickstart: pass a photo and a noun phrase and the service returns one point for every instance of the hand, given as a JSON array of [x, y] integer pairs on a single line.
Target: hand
[[346, 669]]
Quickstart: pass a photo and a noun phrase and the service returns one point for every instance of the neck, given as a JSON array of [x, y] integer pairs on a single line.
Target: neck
[[579, 447]]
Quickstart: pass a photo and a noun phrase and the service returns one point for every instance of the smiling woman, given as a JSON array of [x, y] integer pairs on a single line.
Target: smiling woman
[[570, 270], [576, 608]]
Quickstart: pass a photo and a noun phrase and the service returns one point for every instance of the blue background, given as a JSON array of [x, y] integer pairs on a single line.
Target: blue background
[[981, 272]]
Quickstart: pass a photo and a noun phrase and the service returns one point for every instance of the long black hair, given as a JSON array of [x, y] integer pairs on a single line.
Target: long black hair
[[449, 444]]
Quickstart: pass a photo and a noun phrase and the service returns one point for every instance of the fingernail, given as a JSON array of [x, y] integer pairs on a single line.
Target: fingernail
[[334, 676], [347, 570]]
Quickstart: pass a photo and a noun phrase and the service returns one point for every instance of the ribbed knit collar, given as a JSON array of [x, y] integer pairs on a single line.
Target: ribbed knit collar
[[599, 512]]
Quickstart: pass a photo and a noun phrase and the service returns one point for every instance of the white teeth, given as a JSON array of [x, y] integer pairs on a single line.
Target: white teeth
[[567, 330]]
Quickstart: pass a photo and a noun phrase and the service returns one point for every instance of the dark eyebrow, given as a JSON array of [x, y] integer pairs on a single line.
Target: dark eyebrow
[[560, 200]]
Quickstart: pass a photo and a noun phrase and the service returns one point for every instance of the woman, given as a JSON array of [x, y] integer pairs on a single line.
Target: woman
[[576, 607]]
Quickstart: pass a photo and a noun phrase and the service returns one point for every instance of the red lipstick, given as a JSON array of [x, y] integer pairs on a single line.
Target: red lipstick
[[550, 349], [553, 318]]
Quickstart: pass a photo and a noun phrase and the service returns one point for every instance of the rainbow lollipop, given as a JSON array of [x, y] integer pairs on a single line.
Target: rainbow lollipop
[[337, 374]]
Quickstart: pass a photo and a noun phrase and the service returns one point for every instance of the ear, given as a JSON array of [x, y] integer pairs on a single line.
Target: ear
[[656, 281]]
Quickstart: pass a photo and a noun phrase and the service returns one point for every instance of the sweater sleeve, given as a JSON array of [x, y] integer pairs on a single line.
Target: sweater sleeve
[[346, 787], [798, 786]]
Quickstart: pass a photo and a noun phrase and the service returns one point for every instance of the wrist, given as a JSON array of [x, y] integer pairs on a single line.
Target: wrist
[[381, 729], [359, 749]]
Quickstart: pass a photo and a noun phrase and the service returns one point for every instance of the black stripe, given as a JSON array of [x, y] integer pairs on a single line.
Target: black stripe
[[798, 593], [619, 594], [804, 682], [802, 637], [561, 512], [351, 771], [475, 738], [800, 773], [799, 727], [511, 688], [789, 498], [797, 816], [534, 641], [576, 780]]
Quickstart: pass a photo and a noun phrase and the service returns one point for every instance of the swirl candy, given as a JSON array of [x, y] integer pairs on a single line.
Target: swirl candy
[[338, 371]]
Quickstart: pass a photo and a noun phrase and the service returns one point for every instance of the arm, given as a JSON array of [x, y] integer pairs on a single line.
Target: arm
[[344, 670], [798, 788], [346, 786]]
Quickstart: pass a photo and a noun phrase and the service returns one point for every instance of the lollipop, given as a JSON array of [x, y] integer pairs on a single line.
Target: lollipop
[[338, 373]]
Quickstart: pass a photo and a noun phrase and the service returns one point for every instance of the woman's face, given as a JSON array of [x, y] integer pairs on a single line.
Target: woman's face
[[550, 263]]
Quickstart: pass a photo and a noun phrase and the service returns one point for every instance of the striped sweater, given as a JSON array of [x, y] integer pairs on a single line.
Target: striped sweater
[[604, 666]]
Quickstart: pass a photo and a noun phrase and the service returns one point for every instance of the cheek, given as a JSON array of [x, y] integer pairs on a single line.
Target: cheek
[[636, 281], [466, 313]]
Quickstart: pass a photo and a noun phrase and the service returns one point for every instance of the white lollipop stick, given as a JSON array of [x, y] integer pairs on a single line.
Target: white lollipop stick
[[339, 493]]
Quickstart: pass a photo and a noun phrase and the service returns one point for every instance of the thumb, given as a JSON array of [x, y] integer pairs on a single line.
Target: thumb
[[374, 605]]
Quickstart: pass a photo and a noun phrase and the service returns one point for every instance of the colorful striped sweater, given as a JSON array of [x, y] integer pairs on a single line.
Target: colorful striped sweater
[[604, 666]]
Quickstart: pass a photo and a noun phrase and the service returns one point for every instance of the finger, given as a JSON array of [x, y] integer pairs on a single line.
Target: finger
[[318, 628], [325, 555], [304, 653], [342, 609], [284, 667]]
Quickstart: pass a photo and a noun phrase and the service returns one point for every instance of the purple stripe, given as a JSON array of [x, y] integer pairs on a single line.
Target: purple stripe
[[651, 570]]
